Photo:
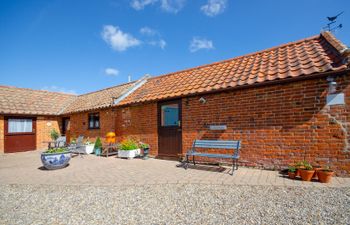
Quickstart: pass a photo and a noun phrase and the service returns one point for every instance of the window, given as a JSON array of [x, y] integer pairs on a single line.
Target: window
[[20, 125], [170, 115], [94, 121]]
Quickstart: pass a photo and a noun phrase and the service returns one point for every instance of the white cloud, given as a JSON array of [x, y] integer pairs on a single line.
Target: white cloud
[[141, 4], [172, 6], [154, 36], [117, 39], [200, 43], [161, 43], [111, 72], [214, 7], [148, 31], [54, 88]]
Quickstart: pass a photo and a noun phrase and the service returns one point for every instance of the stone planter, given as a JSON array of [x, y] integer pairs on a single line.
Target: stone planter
[[52, 161], [128, 153], [89, 149]]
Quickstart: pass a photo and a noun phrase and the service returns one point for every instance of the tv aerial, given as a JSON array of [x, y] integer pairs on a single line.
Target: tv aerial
[[332, 25]]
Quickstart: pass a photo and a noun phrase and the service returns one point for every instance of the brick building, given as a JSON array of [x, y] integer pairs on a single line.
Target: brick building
[[286, 104]]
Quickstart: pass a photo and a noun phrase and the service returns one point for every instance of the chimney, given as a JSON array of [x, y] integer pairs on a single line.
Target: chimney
[[129, 78]]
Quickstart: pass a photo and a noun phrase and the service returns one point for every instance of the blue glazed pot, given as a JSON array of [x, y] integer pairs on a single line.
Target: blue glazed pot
[[97, 151], [52, 161]]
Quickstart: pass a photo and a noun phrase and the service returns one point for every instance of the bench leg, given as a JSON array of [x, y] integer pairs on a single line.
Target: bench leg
[[194, 162], [233, 166]]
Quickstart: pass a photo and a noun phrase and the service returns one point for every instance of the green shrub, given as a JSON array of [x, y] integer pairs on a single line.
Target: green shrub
[[128, 144], [88, 142], [308, 166], [98, 143], [56, 150], [292, 169], [144, 145], [54, 134]]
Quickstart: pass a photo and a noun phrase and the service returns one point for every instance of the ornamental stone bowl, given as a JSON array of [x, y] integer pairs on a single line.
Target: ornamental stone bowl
[[52, 161]]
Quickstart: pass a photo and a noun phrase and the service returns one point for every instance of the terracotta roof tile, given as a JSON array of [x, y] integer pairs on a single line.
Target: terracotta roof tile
[[97, 100], [316, 54], [15, 100], [34, 102]]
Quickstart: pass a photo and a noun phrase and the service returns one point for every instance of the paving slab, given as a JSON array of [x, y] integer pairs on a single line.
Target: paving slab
[[26, 168]]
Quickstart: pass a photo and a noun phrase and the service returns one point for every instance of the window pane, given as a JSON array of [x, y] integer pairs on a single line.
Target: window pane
[[20, 125], [170, 115], [94, 120]]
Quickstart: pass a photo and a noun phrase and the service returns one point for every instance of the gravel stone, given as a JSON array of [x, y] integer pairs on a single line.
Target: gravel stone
[[173, 204]]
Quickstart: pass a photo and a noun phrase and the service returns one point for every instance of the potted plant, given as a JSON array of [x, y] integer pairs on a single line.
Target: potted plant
[[307, 172], [145, 148], [98, 146], [55, 158], [299, 166], [128, 148], [316, 168], [54, 134], [89, 146], [325, 175], [292, 172]]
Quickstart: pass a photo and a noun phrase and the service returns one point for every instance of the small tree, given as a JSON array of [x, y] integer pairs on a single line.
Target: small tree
[[98, 143], [54, 134]]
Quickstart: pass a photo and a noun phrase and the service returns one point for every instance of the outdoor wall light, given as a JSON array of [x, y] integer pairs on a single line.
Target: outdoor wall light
[[332, 85], [202, 100]]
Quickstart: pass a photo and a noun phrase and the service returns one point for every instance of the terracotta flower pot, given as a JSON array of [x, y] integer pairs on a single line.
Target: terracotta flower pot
[[324, 176], [297, 174], [316, 168], [291, 175], [306, 175]]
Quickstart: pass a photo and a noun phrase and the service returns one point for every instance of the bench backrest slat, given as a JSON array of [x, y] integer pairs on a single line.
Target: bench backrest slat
[[235, 144]]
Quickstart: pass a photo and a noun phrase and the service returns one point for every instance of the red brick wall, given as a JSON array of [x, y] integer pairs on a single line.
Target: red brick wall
[[2, 144], [277, 124], [139, 122], [44, 125], [79, 125]]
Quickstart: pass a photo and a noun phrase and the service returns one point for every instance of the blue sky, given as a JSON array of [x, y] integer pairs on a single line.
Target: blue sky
[[81, 46]]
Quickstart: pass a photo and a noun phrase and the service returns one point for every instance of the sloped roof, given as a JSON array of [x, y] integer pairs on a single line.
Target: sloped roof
[[97, 100], [15, 100], [26, 101], [313, 55]]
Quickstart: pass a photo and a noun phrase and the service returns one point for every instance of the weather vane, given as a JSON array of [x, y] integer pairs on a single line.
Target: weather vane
[[332, 26]]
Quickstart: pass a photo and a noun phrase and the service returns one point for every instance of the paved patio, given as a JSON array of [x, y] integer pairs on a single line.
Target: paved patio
[[25, 168], [97, 190]]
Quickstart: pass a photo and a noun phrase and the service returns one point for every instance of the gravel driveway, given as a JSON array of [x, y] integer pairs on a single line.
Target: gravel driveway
[[173, 204]]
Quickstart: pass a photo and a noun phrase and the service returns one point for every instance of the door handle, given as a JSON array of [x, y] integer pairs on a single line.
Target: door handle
[[179, 123]]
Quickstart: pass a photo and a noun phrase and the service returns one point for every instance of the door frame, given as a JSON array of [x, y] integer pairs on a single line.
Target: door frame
[[159, 124], [34, 130], [64, 128]]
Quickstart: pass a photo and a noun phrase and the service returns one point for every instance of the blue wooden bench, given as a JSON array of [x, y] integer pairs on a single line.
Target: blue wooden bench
[[233, 145]]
